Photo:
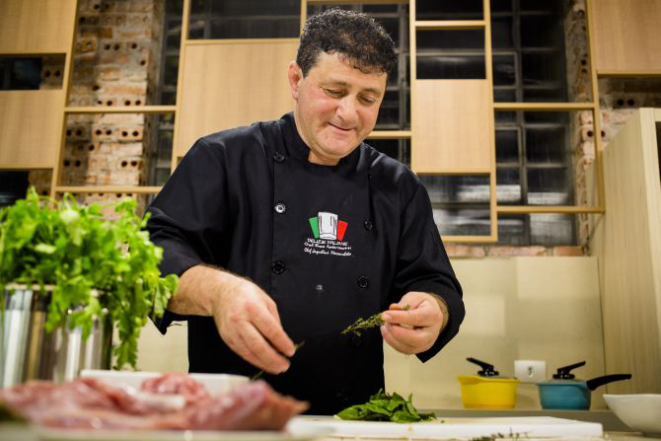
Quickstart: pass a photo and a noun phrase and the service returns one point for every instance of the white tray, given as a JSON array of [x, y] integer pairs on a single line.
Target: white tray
[[446, 428], [215, 383]]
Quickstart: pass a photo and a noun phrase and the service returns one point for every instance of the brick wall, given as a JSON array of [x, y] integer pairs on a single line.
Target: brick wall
[[116, 63]]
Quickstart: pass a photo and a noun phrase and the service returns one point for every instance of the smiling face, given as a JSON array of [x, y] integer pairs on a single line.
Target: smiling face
[[336, 106]]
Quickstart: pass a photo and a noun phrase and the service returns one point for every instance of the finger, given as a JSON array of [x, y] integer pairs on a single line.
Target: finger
[[392, 341], [273, 309], [270, 328], [267, 357], [237, 344], [417, 339], [398, 307], [412, 300], [419, 317]]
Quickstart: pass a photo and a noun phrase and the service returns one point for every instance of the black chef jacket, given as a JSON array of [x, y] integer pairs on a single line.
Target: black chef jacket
[[329, 244]]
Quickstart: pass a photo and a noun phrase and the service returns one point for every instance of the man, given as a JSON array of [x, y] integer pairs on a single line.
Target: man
[[288, 231]]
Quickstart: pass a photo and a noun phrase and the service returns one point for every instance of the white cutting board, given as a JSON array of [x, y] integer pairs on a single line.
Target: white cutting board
[[443, 428]]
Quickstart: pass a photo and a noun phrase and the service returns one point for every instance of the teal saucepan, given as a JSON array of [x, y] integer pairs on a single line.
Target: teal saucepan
[[571, 394]]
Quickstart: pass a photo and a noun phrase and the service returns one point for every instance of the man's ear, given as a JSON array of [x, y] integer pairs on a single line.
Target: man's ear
[[295, 75]]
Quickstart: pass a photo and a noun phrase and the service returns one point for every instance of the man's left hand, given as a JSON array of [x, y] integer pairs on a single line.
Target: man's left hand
[[414, 330]]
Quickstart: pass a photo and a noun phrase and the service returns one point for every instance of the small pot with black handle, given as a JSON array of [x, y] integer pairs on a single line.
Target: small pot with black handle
[[565, 392], [487, 389]]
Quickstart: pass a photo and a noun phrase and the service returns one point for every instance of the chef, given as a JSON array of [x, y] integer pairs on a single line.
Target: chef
[[288, 231]]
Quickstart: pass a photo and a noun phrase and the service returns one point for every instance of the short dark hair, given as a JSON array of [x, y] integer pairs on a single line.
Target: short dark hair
[[355, 36]]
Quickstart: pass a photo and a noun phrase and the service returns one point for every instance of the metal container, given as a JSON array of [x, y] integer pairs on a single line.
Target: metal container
[[29, 352]]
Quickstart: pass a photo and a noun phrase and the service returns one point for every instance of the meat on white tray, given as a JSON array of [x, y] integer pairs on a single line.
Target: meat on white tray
[[169, 402]]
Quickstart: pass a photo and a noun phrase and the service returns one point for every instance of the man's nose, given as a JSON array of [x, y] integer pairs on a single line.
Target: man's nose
[[347, 110]]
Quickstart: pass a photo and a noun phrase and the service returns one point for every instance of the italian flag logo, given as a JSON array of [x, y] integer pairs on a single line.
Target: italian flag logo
[[327, 226]]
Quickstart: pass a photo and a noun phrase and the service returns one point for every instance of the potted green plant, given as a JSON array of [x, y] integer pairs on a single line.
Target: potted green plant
[[87, 264]]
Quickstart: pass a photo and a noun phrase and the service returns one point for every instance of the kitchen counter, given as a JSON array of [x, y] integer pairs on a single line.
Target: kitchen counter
[[608, 436], [23, 434], [614, 429]]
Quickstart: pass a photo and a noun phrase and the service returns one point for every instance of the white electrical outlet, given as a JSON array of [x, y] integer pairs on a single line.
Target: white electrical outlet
[[530, 371]]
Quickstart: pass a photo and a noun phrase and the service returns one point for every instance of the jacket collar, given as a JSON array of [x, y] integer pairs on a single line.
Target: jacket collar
[[298, 149]]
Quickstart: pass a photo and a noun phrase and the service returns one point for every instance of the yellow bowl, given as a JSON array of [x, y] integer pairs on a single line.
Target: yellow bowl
[[488, 393]]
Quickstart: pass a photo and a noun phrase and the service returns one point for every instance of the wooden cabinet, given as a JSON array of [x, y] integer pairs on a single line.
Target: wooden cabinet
[[226, 94], [32, 120], [36, 26], [21, 145], [628, 244], [627, 36]]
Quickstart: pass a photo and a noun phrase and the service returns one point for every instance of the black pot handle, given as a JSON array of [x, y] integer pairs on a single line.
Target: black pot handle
[[487, 371], [564, 374], [600, 381]]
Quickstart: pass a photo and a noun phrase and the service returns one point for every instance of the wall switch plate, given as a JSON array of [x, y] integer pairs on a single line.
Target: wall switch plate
[[530, 371]]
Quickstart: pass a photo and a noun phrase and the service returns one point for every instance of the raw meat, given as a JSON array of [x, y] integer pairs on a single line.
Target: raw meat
[[169, 402]]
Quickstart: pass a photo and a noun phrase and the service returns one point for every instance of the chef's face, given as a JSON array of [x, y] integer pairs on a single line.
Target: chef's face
[[336, 106]]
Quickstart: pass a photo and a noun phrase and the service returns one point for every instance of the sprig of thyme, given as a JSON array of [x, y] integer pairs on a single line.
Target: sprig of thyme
[[371, 322], [258, 375]]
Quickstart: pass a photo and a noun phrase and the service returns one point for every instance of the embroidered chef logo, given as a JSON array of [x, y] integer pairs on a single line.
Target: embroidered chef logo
[[328, 232]]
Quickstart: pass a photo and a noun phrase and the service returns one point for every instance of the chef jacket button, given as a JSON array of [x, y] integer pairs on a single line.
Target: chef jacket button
[[280, 208], [368, 225], [279, 157], [363, 282], [278, 267]]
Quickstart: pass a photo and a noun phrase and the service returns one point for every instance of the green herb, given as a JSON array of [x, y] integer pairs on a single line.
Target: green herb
[[76, 249], [260, 373], [495, 436], [371, 322], [384, 407]]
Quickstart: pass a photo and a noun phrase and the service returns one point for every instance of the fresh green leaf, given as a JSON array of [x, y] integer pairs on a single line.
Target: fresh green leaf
[[384, 407], [99, 267]]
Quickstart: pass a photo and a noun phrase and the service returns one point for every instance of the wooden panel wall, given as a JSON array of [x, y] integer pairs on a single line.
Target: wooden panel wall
[[628, 243], [627, 35], [451, 120], [31, 128], [36, 26], [233, 83], [514, 308]]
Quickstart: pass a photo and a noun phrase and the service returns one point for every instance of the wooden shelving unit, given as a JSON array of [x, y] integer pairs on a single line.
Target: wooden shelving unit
[[482, 162]]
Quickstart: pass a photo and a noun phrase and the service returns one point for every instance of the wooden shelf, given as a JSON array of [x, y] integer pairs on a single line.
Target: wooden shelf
[[36, 53], [390, 134], [629, 73], [455, 172], [26, 167], [561, 209], [107, 189], [221, 41], [353, 2], [554, 107], [120, 109], [450, 25], [470, 239]]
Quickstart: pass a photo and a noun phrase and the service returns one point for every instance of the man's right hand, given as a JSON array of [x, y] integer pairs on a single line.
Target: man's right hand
[[248, 322], [246, 317]]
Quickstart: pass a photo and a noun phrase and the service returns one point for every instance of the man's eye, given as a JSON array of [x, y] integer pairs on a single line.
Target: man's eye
[[334, 92], [368, 101]]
